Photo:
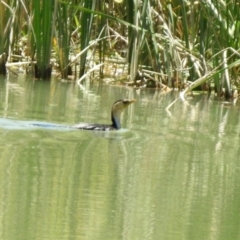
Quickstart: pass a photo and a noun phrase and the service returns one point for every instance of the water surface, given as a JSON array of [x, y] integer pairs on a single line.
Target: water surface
[[161, 177]]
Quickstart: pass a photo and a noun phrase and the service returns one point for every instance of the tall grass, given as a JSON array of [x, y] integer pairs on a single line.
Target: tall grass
[[177, 43], [9, 29], [142, 48], [86, 22], [4, 42], [44, 15], [63, 32]]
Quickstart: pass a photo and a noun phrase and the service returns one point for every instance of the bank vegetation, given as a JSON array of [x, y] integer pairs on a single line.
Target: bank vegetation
[[149, 43]]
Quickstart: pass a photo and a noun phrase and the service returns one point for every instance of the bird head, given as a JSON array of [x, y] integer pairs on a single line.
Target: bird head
[[117, 110]]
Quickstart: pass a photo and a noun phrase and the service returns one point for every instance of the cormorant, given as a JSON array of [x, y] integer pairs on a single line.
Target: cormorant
[[117, 110]]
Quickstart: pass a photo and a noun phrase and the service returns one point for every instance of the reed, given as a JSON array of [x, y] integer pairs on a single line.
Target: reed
[[63, 32], [9, 11], [3, 40], [142, 41], [102, 29], [44, 15], [86, 23]]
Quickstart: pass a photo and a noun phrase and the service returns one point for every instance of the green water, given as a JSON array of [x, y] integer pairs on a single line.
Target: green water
[[162, 177]]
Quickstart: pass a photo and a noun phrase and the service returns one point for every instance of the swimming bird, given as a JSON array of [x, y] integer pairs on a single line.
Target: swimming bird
[[116, 112]]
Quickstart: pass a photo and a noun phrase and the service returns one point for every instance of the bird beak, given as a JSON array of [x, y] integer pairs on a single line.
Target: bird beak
[[133, 101], [128, 102]]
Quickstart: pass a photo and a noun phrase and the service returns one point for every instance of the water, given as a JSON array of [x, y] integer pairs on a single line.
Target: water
[[164, 176]]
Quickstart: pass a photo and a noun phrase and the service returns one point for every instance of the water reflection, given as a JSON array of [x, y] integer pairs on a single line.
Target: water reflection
[[159, 178]]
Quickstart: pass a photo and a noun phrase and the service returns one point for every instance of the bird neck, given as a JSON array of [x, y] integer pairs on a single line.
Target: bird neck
[[116, 115]]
